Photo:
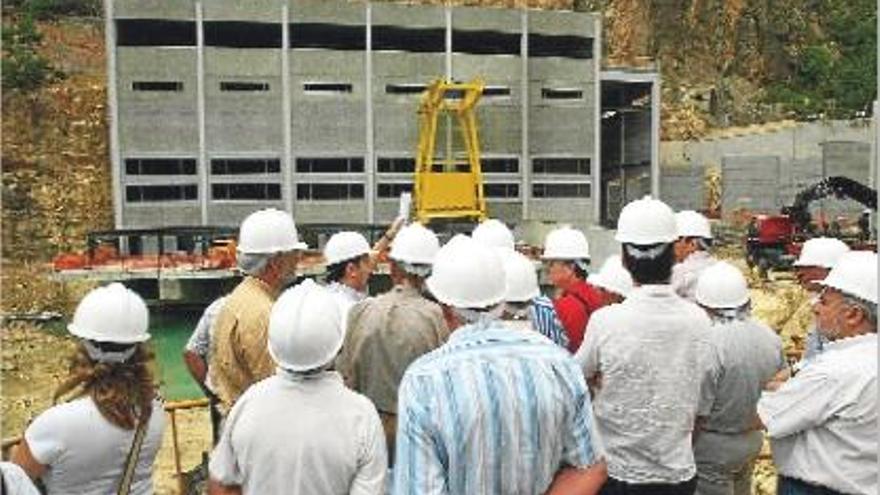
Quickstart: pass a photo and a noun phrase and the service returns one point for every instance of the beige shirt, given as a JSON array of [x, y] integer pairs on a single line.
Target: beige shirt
[[239, 347], [385, 334]]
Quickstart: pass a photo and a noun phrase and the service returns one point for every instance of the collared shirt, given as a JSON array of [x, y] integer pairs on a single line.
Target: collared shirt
[[574, 308], [686, 273], [239, 351], [488, 392], [385, 334], [15, 480], [200, 340], [745, 356], [345, 295], [303, 434], [823, 422], [543, 317], [649, 351]]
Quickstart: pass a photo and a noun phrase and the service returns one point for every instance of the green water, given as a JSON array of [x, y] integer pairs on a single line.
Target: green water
[[170, 329]]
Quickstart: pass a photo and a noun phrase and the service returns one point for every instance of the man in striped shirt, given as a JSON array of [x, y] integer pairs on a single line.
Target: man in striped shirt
[[493, 410]]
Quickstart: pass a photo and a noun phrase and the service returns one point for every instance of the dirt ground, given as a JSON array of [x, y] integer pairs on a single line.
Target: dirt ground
[[34, 362]]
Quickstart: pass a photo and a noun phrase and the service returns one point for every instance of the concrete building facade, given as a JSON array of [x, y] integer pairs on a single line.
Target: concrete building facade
[[223, 107]]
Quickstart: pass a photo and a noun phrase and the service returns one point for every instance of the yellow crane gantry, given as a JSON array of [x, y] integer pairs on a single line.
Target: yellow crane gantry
[[451, 186]]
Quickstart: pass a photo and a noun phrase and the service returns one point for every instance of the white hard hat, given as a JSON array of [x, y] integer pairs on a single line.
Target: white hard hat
[[521, 277], [344, 246], [822, 252], [613, 277], [467, 274], [415, 244], [306, 327], [646, 221], [495, 234], [722, 286], [268, 231], [689, 223], [111, 314], [566, 243], [855, 274]]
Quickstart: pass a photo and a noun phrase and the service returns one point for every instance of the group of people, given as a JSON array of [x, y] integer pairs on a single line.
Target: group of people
[[648, 376]]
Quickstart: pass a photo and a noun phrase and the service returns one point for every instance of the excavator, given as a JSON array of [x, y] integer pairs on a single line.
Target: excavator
[[774, 241]]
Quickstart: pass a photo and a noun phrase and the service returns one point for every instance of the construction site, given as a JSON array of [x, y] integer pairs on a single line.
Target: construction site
[[160, 127]]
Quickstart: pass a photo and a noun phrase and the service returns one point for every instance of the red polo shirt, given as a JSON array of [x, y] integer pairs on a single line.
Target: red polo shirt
[[574, 308]]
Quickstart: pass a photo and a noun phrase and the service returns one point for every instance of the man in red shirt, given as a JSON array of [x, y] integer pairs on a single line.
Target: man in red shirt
[[566, 257]]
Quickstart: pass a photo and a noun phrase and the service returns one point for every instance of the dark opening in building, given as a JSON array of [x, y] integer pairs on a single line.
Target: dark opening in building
[[405, 89], [562, 93], [575, 166], [139, 194], [425, 40], [560, 190], [328, 36], [246, 191], [396, 165], [546, 45], [485, 42], [329, 192], [160, 166], [508, 190], [499, 165], [157, 86], [240, 166], [238, 34], [243, 86], [327, 87], [155, 32], [393, 190], [330, 165]]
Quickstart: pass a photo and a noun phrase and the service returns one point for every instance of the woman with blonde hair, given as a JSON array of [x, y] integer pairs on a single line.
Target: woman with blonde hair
[[105, 438]]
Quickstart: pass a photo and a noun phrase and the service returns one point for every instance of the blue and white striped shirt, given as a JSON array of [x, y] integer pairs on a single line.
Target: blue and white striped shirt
[[544, 319], [492, 411]]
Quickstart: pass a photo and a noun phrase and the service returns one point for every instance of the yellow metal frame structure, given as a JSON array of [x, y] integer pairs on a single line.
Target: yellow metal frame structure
[[449, 188]]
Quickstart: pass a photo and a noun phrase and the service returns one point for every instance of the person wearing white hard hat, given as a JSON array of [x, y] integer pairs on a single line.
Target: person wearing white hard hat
[[745, 354], [267, 253], [816, 258], [652, 341], [566, 258], [524, 306], [350, 262], [822, 422], [613, 281], [301, 430], [105, 437], [691, 252], [493, 410], [388, 332], [495, 234]]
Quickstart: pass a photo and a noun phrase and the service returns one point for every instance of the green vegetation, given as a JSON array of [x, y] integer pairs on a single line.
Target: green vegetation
[[835, 73], [23, 68]]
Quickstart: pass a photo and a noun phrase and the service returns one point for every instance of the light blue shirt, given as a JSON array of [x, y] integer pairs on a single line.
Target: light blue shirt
[[544, 319], [491, 411]]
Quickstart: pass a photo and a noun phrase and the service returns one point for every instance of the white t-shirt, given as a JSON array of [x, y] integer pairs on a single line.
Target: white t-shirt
[[16, 481], [304, 435], [86, 454]]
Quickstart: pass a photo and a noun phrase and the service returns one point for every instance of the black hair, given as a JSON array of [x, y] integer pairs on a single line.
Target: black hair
[[650, 270], [336, 271]]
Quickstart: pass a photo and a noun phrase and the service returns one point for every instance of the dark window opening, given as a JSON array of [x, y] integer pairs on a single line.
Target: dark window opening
[[155, 32], [160, 166], [330, 165], [325, 192], [496, 91], [253, 191], [140, 194], [239, 166], [405, 89], [499, 165], [460, 167], [560, 190], [392, 190], [562, 94], [396, 165], [328, 36], [237, 34], [327, 87], [485, 42], [424, 40], [243, 86], [157, 86], [576, 166], [544, 45], [501, 190]]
